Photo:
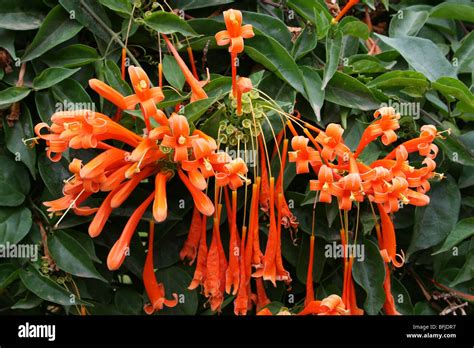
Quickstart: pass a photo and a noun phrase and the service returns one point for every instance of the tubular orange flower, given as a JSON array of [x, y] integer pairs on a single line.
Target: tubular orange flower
[[303, 154], [119, 251], [190, 248], [197, 92], [233, 271], [201, 200], [331, 305], [234, 37], [160, 206], [200, 271], [179, 140], [345, 9], [244, 85], [154, 290]]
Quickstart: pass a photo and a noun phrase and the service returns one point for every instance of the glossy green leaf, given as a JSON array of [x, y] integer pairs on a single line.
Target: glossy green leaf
[[452, 10], [168, 23], [451, 87], [12, 95], [8, 274], [264, 24], [407, 23], [71, 56], [306, 8], [400, 79], [423, 55], [70, 256], [121, 6], [56, 28], [402, 297], [434, 222], [370, 275], [461, 231], [354, 27], [45, 104], [275, 57], [333, 55], [456, 150], [52, 76], [464, 55], [193, 111], [14, 182], [72, 96], [14, 136], [15, 223], [173, 73], [21, 14], [195, 4], [347, 91], [128, 301], [113, 77], [91, 15], [305, 42], [47, 289], [28, 302], [313, 85], [53, 174]]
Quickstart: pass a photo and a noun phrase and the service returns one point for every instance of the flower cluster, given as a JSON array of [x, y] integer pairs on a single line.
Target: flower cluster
[[389, 183], [163, 151]]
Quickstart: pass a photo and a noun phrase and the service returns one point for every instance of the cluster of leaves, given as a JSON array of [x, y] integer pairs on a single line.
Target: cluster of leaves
[[50, 49]]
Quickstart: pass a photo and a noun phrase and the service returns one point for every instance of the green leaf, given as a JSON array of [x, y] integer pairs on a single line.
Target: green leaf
[[313, 85], [46, 289], [56, 28], [193, 111], [434, 221], [464, 56], [307, 8], [423, 55], [456, 150], [172, 72], [12, 95], [15, 223], [271, 54], [451, 10], [14, 136], [21, 14], [70, 256], [451, 87], [121, 6], [463, 230], [28, 302], [176, 281], [467, 271], [305, 42], [8, 274], [91, 15], [52, 76], [267, 25], [408, 22], [72, 56], [354, 27], [45, 104], [370, 275], [71, 94], [14, 182], [333, 55], [128, 301], [113, 76], [53, 174], [402, 297], [347, 91], [169, 23], [194, 4], [400, 78]]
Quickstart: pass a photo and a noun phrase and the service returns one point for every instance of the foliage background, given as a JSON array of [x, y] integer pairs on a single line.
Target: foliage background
[[427, 59]]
